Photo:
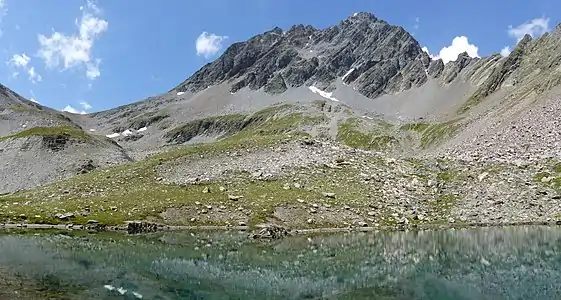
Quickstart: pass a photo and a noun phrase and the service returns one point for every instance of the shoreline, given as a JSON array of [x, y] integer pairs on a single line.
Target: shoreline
[[153, 227]]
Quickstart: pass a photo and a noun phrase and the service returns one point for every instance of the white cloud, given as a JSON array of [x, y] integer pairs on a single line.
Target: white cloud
[[21, 61], [209, 44], [33, 76], [534, 28], [72, 110], [86, 105], [417, 23], [459, 45], [426, 50], [69, 51], [505, 51]]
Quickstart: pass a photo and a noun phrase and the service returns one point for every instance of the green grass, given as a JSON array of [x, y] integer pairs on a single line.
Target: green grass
[[472, 101], [49, 131], [21, 108], [554, 175], [147, 120], [135, 192], [443, 204], [133, 187], [269, 121], [436, 133], [433, 133], [349, 133], [417, 127]]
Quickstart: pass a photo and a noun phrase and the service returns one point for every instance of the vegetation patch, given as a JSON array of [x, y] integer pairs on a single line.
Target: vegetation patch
[[443, 205], [417, 127], [67, 131], [349, 133], [132, 192], [472, 101], [269, 121], [221, 125], [21, 108], [436, 133], [550, 177], [145, 120]]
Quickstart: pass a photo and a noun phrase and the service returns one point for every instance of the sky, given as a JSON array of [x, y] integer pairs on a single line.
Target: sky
[[84, 56]]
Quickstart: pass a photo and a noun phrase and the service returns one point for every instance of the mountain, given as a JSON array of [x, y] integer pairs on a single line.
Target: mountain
[[39, 145], [352, 125]]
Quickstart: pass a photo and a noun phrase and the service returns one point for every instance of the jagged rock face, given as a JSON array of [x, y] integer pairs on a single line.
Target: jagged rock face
[[368, 54]]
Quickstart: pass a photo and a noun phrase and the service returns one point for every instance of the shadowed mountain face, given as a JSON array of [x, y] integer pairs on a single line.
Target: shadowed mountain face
[[361, 93]]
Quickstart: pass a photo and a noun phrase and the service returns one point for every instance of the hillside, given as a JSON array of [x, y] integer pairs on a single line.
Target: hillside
[[352, 125], [39, 145]]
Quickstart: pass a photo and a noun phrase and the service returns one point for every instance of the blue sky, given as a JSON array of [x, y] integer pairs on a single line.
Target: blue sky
[[87, 56]]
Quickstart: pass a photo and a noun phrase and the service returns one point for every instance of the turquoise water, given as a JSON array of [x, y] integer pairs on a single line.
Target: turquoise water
[[508, 263]]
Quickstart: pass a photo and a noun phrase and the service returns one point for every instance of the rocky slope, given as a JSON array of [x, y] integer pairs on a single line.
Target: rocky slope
[[39, 145], [353, 125]]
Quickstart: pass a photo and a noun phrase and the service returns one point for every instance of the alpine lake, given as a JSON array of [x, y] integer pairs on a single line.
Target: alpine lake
[[521, 262]]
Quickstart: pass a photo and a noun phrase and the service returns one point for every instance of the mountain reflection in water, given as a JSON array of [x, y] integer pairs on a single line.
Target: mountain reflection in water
[[486, 263]]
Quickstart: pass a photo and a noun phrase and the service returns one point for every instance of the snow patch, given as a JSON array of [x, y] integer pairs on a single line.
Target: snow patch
[[324, 94], [113, 135], [347, 74], [367, 117], [92, 130], [180, 93], [127, 132], [122, 291], [142, 129], [355, 14]]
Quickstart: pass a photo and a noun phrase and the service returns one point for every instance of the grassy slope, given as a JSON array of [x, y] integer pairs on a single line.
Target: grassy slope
[[49, 131], [132, 191], [433, 133], [351, 134]]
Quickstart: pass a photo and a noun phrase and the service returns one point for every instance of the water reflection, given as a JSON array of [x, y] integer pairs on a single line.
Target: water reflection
[[511, 263]]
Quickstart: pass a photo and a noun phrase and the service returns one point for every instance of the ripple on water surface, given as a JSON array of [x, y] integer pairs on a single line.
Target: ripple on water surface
[[485, 263]]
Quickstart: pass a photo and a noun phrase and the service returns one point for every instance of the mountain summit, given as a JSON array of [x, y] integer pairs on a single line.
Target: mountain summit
[[362, 51]]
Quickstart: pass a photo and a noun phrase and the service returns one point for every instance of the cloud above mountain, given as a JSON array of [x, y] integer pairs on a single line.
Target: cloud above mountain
[[535, 28], [450, 53], [59, 50], [208, 44], [21, 62]]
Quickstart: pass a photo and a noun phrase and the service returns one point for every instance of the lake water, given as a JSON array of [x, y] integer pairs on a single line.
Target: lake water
[[486, 263]]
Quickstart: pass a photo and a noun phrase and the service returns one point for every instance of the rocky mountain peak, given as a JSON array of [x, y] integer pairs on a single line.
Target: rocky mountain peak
[[363, 16], [364, 52]]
